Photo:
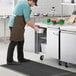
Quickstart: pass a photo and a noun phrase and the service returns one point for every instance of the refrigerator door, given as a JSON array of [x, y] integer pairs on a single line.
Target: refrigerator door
[[68, 46], [52, 42]]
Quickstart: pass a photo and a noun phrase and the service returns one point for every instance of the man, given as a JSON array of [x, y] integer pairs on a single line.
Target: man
[[17, 23]]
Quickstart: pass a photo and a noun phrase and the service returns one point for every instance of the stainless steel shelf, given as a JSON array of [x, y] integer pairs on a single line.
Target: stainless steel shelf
[[68, 4]]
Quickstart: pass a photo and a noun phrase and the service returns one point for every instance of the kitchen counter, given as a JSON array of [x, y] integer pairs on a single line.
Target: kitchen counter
[[46, 25], [64, 26]]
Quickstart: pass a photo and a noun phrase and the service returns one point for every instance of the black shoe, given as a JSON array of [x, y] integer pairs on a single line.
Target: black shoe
[[23, 60], [13, 63]]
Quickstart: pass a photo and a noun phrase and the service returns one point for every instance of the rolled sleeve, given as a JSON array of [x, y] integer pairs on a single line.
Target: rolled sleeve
[[11, 21], [26, 12]]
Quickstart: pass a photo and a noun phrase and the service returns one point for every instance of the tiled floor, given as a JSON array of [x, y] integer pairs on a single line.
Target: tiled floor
[[31, 56]]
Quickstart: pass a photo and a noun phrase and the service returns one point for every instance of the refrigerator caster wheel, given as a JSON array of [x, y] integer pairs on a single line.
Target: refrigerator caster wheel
[[66, 64], [41, 57]]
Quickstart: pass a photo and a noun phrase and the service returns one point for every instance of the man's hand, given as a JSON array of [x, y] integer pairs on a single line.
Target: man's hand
[[36, 29], [29, 23]]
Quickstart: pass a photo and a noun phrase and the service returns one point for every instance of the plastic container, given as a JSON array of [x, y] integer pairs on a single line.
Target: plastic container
[[40, 30], [43, 48]]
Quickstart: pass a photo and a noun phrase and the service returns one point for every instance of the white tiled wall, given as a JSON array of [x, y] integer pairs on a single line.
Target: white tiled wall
[[1, 28], [68, 10], [45, 6], [4, 29], [6, 7]]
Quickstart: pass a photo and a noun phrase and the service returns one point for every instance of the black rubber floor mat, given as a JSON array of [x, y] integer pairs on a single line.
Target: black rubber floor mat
[[32, 68]]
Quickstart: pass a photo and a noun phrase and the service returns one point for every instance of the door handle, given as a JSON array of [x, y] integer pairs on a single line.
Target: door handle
[[55, 33]]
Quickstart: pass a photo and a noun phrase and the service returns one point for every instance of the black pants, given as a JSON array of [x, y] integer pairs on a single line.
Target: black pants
[[11, 48]]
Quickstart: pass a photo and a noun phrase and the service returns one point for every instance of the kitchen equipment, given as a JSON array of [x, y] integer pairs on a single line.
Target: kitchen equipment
[[45, 14], [72, 1], [67, 1], [36, 14], [74, 13], [53, 10], [50, 39], [53, 42], [68, 44]]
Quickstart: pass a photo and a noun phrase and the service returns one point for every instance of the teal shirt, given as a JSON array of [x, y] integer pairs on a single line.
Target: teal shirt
[[22, 8]]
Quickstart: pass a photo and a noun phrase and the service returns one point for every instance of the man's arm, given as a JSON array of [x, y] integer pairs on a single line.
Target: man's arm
[[29, 23]]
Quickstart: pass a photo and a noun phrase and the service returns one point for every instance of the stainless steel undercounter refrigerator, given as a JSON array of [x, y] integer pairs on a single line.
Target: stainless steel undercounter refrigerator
[[68, 45], [49, 38]]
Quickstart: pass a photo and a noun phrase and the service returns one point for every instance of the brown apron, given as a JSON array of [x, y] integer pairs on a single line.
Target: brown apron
[[17, 33]]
